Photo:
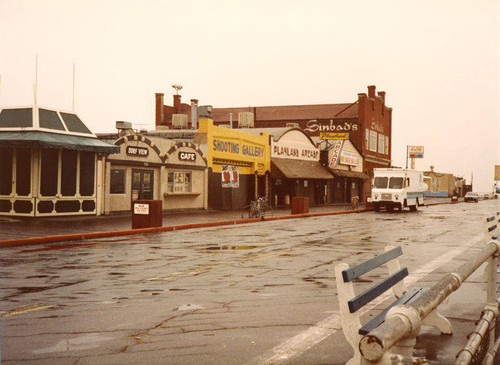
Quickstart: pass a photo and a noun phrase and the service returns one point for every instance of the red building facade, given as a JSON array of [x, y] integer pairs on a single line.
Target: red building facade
[[368, 121]]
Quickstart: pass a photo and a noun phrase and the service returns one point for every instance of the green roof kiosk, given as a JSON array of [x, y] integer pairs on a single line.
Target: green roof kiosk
[[51, 164]]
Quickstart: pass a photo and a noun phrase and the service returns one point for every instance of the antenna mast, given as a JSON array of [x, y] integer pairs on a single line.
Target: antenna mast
[[35, 85], [73, 106]]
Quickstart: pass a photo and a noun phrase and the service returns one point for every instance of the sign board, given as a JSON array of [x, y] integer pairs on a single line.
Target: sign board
[[123, 125], [230, 176], [349, 158], [416, 151], [187, 156], [328, 135], [137, 151], [497, 172], [334, 153], [140, 208]]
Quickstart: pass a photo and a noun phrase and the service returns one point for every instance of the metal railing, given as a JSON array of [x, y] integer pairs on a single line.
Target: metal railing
[[392, 342]]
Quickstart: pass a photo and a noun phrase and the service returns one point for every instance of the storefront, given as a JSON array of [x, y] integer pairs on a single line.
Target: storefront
[[156, 168], [238, 165], [296, 170], [51, 164], [346, 163]]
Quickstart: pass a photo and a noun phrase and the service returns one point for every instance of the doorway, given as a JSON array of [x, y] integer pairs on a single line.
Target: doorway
[[142, 184]]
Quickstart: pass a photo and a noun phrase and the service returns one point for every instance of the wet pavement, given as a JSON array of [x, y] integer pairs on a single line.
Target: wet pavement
[[15, 227], [260, 293]]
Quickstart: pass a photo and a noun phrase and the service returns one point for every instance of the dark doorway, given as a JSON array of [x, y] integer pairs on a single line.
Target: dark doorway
[[142, 184]]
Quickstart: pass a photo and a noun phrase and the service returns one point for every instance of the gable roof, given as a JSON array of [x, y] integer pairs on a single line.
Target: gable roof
[[290, 112]]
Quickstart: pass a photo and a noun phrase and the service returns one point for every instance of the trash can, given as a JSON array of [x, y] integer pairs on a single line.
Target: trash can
[[146, 213], [300, 205], [454, 199]]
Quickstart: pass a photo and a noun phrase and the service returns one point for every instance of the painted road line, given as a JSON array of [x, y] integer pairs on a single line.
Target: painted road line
[[299, 344], [22, 310]]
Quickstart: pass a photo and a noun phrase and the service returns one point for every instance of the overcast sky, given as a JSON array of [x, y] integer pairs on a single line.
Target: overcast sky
[[437, 60]]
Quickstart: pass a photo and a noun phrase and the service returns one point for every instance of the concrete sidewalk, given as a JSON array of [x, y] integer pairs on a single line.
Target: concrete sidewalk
[[14, 228], [17, 228]]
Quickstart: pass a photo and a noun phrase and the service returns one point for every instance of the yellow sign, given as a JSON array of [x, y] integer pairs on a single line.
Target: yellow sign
[[327, 135]]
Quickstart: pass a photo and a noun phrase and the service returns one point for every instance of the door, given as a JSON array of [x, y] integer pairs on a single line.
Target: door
[[142, 184]]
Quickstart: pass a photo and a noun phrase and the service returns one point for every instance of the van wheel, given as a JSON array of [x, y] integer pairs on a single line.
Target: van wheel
[[376, 207], [413, 208]]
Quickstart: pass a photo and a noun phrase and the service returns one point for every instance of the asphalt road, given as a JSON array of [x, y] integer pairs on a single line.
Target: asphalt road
[[261, 293]]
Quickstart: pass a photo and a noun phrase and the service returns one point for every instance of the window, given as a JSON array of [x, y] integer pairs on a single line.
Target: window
[[117, 183], [381, 182], [373, 141], [396, 183], [6, 171], [381, 144], [68, 172], [367, 138], [386, 149], [87, 173], [49, 172], [23, 171], [179, 182]]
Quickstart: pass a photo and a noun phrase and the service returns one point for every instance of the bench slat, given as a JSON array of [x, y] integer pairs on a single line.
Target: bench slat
[[492, 228], [489, 219], [358, 270], [378, 319], [366, 297]]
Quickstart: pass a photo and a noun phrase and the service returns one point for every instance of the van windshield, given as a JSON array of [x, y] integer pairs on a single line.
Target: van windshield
[[396, 183], [381, 182]]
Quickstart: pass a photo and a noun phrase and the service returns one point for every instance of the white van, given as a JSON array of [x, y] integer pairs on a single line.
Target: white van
[[397, 188]]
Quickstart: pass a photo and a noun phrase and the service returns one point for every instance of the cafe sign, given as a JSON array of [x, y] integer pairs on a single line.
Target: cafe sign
[[187, 156]]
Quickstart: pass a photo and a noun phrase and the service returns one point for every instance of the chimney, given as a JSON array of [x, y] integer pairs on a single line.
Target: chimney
[[194, 113], [177, 104], [371, 91], [382, 95], [159, 114]]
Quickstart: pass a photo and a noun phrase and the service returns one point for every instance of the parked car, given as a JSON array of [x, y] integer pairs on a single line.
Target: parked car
[[471, 197]]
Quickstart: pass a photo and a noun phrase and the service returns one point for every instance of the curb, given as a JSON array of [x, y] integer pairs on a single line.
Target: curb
[[103, 234]]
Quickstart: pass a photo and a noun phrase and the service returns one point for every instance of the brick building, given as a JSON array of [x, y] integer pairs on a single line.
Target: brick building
[[368, 121]]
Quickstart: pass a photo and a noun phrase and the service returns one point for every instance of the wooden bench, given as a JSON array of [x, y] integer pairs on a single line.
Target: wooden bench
[[492, 227], [350, 303]]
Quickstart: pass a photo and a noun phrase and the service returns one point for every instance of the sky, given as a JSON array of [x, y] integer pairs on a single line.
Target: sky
[[437, 60]]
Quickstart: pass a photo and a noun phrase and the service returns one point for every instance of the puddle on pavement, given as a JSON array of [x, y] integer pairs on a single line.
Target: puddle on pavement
[[84, 342], [188, 307], [228, 248]]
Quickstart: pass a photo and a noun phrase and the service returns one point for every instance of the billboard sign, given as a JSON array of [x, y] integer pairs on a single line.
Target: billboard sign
[[416, 151], [230, 176]]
